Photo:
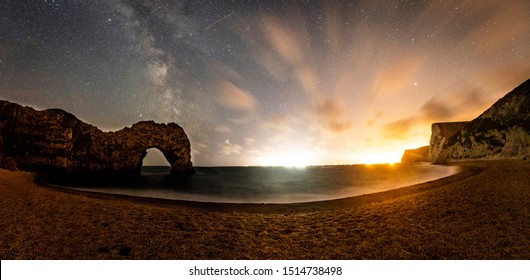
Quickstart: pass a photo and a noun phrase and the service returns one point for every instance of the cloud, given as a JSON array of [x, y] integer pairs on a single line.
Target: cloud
[[327, 76], [284, 40], [289, 56], [482, 27], [235, 98], [332, 114], [435, 110], [506, 76], [271, 64], [243, 119], [505, 24], [399, 129], [307, 79], [200, 145], [228, 148], [223, 128], [249, 141], [216, 68], [278, 123], [395, 77], [333, 32], [451, 108], [471, 99], [198, 148], [466, 102]]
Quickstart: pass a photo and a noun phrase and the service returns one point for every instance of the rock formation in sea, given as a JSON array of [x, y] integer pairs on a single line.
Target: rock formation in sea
[[416, 155], [55, 140], [501, 132]]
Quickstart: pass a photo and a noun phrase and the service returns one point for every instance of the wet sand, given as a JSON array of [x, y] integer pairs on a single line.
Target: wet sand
[[481, 213]]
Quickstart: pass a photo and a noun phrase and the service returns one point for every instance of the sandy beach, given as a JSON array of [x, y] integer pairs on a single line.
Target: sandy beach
[[481, 213]]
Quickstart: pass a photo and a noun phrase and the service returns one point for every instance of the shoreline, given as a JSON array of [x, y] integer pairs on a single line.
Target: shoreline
[[480, 213], [464, 171]]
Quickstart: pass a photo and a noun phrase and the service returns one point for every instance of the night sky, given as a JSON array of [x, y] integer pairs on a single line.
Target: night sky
[[268, 82]]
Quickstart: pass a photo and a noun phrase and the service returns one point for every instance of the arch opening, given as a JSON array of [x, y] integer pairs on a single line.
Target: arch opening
[[155, 160]]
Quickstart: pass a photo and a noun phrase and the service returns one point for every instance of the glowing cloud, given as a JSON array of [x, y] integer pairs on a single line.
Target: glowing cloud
[[351, 78], [392, 79], [332, 115], [284, 40], [235, 98], [228, 148]]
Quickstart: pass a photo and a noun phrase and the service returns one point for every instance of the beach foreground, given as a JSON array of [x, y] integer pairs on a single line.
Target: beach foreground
[[481, 213]]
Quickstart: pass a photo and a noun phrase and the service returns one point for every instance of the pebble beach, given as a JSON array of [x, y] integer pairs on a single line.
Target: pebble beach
[[483, 212]]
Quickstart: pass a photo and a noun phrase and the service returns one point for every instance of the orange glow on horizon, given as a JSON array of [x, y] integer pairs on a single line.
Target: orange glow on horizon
[[384, 157]]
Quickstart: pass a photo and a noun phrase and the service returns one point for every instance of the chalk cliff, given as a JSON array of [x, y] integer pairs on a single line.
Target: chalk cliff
[[440, 134], [55, 140], [501, 132]]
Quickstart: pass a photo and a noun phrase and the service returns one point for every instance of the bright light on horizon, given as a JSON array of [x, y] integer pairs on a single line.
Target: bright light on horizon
[[389, 153], [386, 157], [302, 159], [298, 159]]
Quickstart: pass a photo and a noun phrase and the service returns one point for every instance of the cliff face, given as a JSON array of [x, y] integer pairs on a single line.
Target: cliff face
[[502, 131], [54, 140], [440, 134]]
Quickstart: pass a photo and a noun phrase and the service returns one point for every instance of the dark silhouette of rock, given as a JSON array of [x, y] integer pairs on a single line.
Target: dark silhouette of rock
[[55, 140], [416, 155], [501, 132]]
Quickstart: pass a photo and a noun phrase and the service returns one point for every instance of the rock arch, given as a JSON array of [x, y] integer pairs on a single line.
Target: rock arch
[[54, 140], [154, 157], [170, 139]]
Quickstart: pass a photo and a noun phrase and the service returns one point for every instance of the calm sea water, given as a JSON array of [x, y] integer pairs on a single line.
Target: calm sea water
[[268, 184]]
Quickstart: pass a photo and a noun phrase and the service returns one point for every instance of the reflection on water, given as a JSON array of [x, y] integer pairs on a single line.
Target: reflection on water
[[265, 184]]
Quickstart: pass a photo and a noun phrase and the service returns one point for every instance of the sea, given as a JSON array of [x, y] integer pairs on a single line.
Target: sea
[[266, 184]]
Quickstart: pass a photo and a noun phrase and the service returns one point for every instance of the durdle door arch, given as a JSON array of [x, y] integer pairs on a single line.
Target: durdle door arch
[[55, 140], [170, 139]]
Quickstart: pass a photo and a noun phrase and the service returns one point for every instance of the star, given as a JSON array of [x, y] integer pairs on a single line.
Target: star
[[325, 77]]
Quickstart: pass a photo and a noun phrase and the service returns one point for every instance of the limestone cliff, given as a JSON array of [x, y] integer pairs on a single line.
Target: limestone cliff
[[440, 133], [416, 155], [502, 131], [55, 140]]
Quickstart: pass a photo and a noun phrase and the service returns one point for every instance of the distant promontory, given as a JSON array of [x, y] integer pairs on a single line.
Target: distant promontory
[[57, 141]]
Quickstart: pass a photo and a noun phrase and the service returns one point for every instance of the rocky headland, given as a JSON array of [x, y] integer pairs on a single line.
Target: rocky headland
[[56, 141], [416, 155], [501, 132]]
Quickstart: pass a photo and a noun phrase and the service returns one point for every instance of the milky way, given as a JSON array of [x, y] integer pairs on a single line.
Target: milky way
[[267, 82]]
